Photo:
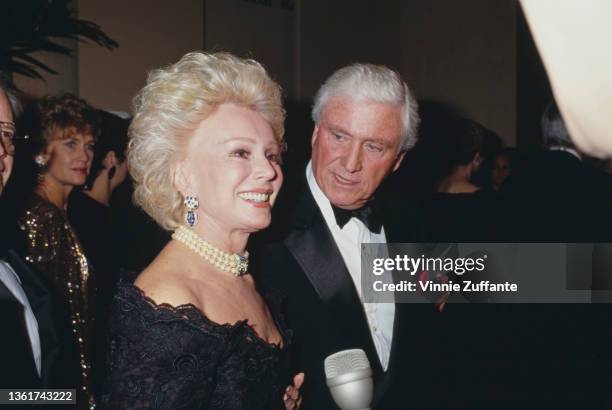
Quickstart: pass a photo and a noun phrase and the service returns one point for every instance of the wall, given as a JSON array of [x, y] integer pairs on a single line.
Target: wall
[[337, 33], [457, 52], [464, 53], [262, 32], [151, 33]]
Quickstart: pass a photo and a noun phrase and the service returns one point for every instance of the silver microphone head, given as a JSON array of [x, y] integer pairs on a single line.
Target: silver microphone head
[[349, 378]]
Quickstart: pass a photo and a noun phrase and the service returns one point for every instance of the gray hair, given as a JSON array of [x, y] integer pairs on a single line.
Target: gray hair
[[554, 131], [369, 82], [11, 93]]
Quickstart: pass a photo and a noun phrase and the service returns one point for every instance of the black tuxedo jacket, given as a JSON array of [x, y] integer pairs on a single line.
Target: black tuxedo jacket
[[326, 315], [469, 355], [59, 365]]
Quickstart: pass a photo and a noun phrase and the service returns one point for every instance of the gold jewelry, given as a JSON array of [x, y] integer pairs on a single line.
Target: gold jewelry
[[230, 262]]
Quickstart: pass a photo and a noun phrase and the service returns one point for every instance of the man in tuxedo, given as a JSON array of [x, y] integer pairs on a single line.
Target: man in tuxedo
[[32, 353], [365, 119]]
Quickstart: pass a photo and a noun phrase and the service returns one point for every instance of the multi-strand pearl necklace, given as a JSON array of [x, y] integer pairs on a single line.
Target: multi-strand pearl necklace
[[229, 262]]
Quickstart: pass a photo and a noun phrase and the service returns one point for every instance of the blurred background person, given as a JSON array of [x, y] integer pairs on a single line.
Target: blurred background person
[[463, 148], [504, 163], [89, 208], [457, 208], [554, 187], [192, 331], [62, 146], [91, 215]]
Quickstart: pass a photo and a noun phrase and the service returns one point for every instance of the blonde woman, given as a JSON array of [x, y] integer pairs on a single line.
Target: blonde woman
[[192, 332]]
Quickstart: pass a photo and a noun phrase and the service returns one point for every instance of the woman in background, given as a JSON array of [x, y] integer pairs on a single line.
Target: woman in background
[[458, 209], [91, 214], [192, 332], [63, 141]]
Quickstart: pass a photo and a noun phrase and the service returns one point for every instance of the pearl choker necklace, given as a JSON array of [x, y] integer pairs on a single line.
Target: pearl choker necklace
[[229, 262]]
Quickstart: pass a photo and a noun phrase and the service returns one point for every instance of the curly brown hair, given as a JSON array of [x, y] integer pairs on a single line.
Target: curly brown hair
[[60, 117]]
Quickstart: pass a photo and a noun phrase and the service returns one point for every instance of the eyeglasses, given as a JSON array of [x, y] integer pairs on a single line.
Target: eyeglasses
[[7, 134]]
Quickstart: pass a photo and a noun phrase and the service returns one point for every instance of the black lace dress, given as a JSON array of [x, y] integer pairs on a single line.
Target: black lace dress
[[164, 357]]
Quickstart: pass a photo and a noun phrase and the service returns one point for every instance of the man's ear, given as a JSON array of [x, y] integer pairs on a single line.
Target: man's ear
[[477, 160], [315, 135], [398, 160]]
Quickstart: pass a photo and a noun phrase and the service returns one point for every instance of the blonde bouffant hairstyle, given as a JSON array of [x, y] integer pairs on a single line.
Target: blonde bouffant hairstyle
[[171, 106]]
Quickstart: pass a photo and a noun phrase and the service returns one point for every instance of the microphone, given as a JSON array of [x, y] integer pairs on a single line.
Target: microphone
[[349, 378]]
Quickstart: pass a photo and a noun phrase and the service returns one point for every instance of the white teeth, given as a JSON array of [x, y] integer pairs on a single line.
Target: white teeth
[[254, 196]]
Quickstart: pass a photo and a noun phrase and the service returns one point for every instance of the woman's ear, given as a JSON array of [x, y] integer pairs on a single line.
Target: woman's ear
[[180, 177]]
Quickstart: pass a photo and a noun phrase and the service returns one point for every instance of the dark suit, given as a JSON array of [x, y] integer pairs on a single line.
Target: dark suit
[[558, 198], [59, 367], [18, 367], [324, 310]]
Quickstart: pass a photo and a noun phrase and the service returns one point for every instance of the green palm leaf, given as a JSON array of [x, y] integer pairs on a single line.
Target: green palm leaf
[[31, 26]]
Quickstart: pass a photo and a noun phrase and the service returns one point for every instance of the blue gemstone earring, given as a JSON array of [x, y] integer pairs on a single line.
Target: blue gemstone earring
[[191, 204]]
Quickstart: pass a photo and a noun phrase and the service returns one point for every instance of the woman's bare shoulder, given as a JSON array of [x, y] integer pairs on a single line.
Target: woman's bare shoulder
[[163, 282]]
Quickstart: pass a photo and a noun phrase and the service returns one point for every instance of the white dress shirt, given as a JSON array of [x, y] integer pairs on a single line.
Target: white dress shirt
[[349, 239], [12, 282]]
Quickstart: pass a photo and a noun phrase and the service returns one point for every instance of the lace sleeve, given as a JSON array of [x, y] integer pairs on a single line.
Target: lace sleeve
[[159, 358]]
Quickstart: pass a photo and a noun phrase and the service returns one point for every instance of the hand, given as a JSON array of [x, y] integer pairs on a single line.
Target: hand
[[292, 397]]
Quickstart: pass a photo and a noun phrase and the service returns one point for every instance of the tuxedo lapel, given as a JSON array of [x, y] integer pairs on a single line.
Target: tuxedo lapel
[[319, 257], [312, 245]]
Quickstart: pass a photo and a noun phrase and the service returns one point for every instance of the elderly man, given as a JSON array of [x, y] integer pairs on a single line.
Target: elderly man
[[21, 351], [365, 120], [32, 353]]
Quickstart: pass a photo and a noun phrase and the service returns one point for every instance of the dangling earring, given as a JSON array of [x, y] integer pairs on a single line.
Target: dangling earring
[[191, 203], [111, 172]]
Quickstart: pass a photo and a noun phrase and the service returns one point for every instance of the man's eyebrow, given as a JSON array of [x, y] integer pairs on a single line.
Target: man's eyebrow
[[335, 128], [376, 140], [341, 130]]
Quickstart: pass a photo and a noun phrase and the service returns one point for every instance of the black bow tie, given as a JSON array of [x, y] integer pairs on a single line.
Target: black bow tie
[[367, 215]]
